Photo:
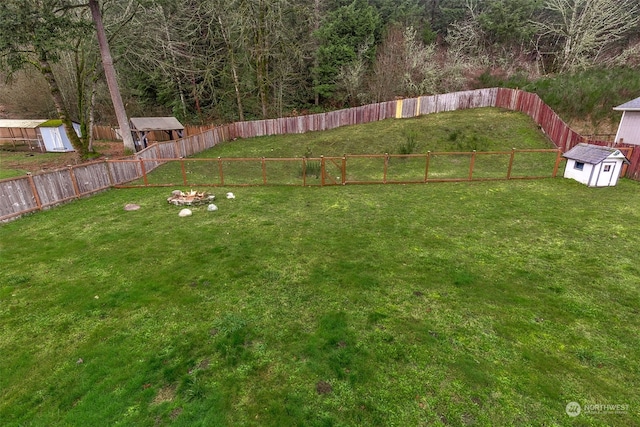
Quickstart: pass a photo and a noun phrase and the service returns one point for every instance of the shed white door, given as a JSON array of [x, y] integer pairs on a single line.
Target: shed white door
[[57, 139], [606, 177]]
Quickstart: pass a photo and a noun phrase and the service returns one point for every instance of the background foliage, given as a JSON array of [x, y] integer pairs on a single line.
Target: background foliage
[[219, 61]]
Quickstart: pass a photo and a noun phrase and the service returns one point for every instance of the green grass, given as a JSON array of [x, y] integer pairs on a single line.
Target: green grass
[[482, 129], [486, 303], [11, 173], [443, 304]]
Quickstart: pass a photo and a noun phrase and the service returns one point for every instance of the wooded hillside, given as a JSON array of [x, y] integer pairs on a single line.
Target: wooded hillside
[[217, 61]]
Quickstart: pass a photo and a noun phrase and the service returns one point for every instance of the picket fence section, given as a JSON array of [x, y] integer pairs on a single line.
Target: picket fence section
[[36, 192]]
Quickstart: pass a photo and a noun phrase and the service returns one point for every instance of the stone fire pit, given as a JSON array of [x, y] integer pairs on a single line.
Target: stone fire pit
[[190, 198]]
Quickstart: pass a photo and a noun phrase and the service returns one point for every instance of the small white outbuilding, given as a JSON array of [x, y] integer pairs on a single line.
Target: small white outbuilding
[[629, 128], [44, 135], [54, 136], [594, 165]]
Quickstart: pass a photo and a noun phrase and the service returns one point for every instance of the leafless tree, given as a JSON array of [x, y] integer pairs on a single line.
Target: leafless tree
[[586, 29]]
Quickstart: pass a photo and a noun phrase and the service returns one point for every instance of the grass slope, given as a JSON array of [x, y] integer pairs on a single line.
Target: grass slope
[[482, 129], [447, 304]]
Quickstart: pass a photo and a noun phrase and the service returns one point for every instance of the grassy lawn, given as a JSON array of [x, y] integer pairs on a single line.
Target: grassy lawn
[[446, 304], [441, 304]]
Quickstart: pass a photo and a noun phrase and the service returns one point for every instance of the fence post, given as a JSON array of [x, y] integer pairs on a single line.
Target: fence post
[[144, 172], [107, 164], [513, 154], [426, 168], [304, 171], [220, 171], [74, 181], [386, 165], [344, 169], [175, 150], [471, 164], [557, 165], [184, 172], [34, 190], [264, 172]]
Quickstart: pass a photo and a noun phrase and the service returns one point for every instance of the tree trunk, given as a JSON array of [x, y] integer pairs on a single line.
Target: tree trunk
[[316, 63], [174, 62], [234, 72], [110, 75], [58, 102], [92, 108], [81, 77], [261, 58]]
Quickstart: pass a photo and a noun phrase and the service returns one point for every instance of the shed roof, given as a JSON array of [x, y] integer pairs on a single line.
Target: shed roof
[[155, 123], [633, 105], [21, 123], [592, 154], [54, 123]]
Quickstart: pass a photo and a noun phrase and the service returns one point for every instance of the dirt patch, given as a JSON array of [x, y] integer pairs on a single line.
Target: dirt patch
[[175, 414], [165, 394], [323, 387]]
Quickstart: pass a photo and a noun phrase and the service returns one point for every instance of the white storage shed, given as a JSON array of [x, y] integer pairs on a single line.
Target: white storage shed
[[43, 135], [54, 136], [594, 165]]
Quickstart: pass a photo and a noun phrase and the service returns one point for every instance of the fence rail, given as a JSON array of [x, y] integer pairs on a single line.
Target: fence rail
[[36, 192]]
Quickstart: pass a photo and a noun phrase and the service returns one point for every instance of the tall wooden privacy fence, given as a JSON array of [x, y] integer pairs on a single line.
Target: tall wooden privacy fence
[[30, 193]]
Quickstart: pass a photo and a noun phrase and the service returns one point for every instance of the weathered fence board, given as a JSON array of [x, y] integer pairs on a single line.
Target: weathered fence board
[[106, 133], [16, 197], [409, 107], [124, 171], [55, 187], [167, 150], [91, 178], [149, 153]]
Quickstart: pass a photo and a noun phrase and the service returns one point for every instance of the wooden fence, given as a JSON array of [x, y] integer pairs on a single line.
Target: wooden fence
[[349, 169], [35, 192]]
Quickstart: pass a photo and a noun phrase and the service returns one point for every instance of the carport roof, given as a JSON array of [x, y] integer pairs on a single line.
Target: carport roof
[[155, 123], [21, 123]]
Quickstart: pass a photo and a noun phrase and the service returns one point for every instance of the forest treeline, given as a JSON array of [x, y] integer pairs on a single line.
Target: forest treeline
[[224, 60]]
